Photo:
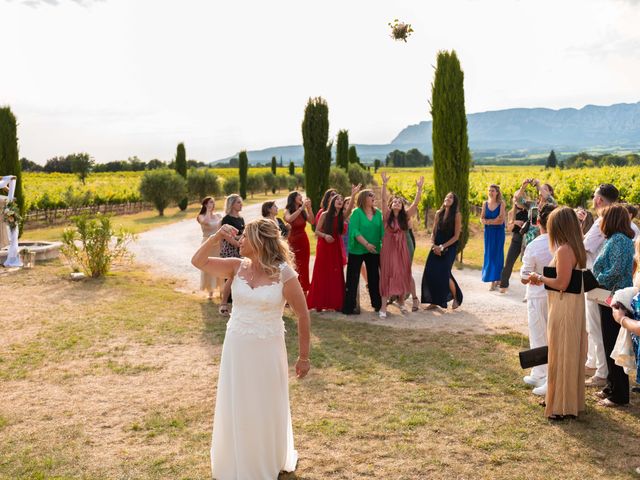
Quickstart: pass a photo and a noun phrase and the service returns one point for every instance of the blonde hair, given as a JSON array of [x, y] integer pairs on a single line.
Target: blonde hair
[[272, 251], [564, 228], [231, 199]]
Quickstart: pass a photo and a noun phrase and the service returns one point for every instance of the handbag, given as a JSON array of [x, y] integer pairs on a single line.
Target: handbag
[[534, 357], [579, 279]]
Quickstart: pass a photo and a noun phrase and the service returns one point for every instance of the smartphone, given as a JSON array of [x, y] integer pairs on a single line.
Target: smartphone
[[534, 215], [624, 309], [525, 275]]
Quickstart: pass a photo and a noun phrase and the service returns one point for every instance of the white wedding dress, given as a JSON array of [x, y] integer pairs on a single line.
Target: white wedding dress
[[252, 433]]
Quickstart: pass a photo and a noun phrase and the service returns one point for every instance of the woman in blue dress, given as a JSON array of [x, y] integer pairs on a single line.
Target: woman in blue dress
[[493, 215]]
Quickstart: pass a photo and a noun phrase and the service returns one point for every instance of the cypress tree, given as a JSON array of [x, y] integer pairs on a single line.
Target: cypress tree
[[243, 168], [292, 168], [181, 168], [274, 170], [451, 155], [9, 158], [552, 161], [376, 165], [315, 134], [342, 149], [353, 155]]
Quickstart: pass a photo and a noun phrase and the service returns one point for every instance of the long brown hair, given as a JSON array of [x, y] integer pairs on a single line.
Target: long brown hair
[[205, 200], [403, 221], [327, 226], [563, 228], [362, 197], [615, 219]]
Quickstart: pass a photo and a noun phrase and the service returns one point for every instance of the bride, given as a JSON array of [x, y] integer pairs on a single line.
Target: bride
[[252, 433]]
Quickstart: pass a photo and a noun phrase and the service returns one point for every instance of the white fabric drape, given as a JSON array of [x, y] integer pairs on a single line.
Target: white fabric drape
[[13, 259]]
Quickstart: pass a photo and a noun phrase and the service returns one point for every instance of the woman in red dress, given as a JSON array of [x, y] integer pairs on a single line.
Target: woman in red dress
[[327, 288], [324, 204], [297, 213]]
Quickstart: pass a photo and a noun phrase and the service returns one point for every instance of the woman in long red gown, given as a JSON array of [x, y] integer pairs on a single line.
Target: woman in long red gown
[[327, 285], [297, 213]]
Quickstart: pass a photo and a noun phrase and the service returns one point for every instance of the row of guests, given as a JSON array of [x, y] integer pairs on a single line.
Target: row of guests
[[558, 313], [377, 244]]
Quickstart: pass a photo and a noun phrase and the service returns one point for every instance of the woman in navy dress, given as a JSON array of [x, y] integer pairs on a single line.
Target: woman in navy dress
[[493, 215], [438, 284]]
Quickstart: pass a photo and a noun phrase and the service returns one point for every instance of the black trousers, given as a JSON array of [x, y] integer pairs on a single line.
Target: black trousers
[[372, 262], [512, 255], [617, 381]]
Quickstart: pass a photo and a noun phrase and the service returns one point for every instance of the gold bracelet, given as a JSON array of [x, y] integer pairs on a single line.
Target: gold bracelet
[[303, 359]]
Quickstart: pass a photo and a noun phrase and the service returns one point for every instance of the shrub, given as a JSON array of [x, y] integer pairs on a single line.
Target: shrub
[[270, 182], [283, 182], [292, 183], [161, 187], [255, 183], [339, 180], [201, 183], [89, 246], [299, 180], [231, 185], [358, 174]]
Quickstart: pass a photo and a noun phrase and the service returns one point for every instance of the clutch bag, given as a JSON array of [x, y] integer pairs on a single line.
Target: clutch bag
[[534, 357]]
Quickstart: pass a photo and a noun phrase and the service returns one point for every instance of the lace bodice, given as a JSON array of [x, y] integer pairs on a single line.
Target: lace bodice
[[210, 227], [258, 311]]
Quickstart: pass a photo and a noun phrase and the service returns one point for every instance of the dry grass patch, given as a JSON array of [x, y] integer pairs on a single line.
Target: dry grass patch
[[116, 379]]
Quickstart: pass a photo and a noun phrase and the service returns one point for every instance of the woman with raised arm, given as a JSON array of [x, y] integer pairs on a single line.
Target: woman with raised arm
[[210, 222], [516, 218], [395, 259], [230, 247], [327, 284], [252, 430], [493, 216], [438, 284], [297, 213], [566, 324]]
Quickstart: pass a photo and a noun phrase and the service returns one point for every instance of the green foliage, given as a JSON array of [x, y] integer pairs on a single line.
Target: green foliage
[[292, 168], [28, 166], [283, 181], [317, 157], [412, 158], [339, 180], [292, 182], [342, 150], [359, 175], [552, 161], [181, 168], [586, 160], [451, 155], [243, 168], [9, 160], [376, 165], [231, 185], [353, 155], [89, 245], [270, 181], [161, 187], [255, 183], [81, 165], [201, 182], [274, 171], [300, 179]]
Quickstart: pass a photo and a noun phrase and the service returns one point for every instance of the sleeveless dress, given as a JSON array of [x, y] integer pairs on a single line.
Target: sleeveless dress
[[327, 286], [437, 272], [395, 261], [299, 243], [567, 338], [494, 237], [252, 431], [210, 227]]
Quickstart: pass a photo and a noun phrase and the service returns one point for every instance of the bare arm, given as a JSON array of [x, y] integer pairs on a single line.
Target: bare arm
[[215, 266], [385, 198], [320, 233], [290, 217], [456, 233], [565, 260], [633, 326], [295, 298], [349, 207], [413, 208], [483, 213]]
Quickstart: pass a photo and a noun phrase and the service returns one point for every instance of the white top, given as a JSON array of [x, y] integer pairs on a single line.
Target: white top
[[635, 229], [593, 242], [536, 256]]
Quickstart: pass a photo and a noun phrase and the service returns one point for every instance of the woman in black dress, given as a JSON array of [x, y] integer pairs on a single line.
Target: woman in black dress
[[438, 284], [231, 247], [517, 217]]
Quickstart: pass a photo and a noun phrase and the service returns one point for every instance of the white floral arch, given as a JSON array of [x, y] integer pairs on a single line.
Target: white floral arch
[[13, 258]]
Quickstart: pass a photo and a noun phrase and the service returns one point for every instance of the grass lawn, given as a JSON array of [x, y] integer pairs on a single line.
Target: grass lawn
[[143, 221], [116, 378]]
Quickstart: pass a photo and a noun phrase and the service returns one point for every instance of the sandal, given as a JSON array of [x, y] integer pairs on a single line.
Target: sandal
[[223, 309], [556, 418], [611, 404], [404, 310], [416, 305]]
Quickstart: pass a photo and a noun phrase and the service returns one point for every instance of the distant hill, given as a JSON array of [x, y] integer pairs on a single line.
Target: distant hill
[[517, 129]]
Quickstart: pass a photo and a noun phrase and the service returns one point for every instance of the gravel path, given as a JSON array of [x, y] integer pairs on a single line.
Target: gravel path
[[167, 251]]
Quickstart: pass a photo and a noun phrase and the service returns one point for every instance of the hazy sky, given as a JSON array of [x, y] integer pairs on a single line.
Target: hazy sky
[[118, 78]]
